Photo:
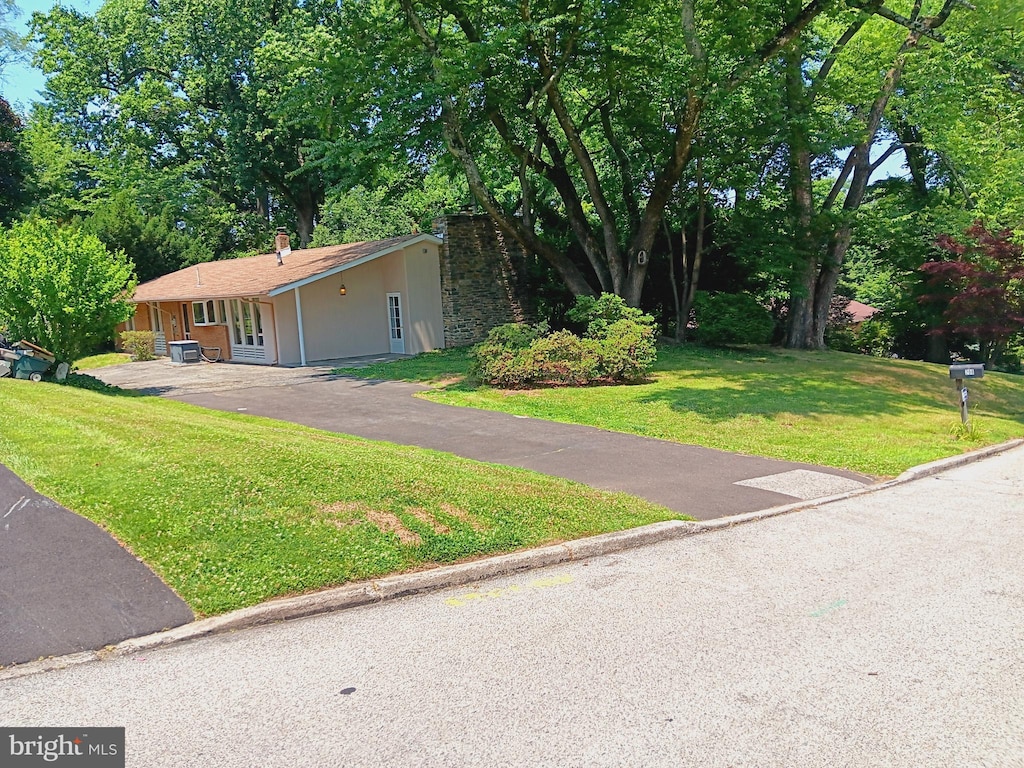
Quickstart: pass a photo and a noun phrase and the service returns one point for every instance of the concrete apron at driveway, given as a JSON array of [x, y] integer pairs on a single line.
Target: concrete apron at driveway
[[696, 481]]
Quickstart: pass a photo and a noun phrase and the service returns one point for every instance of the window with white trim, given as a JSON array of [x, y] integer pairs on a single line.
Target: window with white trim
[[209, 312]]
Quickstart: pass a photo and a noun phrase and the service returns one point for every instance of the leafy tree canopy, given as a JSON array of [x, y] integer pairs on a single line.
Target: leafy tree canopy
[[61, 288]]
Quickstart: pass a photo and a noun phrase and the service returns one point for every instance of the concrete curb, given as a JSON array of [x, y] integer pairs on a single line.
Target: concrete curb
[[935, 467], [365, 593], [914, 473], [401, 585]]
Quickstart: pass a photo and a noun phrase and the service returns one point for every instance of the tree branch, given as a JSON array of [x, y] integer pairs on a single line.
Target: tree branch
[[625, 168], [782, 38], [840, 44], [612, 254]]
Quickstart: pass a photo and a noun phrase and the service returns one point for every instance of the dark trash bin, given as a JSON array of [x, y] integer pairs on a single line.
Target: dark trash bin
[[29, 367]]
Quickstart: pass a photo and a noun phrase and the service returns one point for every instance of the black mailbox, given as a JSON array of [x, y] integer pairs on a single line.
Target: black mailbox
[[968, 371]]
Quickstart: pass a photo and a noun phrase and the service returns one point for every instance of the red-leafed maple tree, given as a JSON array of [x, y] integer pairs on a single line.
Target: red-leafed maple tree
[[983, 285]]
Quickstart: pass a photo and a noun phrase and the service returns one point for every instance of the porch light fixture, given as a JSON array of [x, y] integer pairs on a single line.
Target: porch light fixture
[[343, 290]]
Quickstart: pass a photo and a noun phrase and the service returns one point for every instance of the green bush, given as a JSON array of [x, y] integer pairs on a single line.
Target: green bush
[[618, 346], [61, 289], [506, 369], [597, 314], [139, 344], [731, 318], [564, 358], [841, 338], [503, 358], [516, 335], [627, 350], [875, 337]]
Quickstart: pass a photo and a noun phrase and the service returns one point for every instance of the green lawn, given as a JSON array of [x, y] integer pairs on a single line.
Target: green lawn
[[867, 414], [232, 509], [102, 360]]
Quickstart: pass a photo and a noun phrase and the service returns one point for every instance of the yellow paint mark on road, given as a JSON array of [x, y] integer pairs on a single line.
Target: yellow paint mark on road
[[512, 589], [554, 581]]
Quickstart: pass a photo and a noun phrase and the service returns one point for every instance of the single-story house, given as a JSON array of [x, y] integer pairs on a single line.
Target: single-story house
[[860, 312], [298, 307]]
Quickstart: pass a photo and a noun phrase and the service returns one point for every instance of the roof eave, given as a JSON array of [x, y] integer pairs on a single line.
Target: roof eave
[[423, 238], [195, 297]]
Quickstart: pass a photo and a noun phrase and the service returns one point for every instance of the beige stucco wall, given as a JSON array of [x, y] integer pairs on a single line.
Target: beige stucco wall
[[354, 324], [424, 326], [286, 329], [357, 323]]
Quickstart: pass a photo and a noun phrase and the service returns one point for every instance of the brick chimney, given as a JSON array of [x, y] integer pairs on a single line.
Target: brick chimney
[[282, 245]]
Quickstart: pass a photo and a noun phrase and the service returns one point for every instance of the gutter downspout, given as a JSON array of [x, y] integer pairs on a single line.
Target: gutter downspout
[[173, 323], [302, 335]]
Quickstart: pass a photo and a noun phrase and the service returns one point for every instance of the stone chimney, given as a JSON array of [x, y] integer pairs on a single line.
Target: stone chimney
[[483, 278]]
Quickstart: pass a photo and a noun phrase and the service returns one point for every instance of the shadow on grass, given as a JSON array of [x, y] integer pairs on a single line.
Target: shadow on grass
[[91, 383], [772, 393]]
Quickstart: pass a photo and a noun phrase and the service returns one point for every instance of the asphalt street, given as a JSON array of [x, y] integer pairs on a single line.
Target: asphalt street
[[696, 481], [884, 630]]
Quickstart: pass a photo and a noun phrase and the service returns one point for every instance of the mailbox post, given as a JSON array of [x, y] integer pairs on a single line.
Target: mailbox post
[[961, 372]]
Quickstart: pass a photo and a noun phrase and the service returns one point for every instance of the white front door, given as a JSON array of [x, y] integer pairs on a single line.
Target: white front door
[[395, 320], [251, 342]]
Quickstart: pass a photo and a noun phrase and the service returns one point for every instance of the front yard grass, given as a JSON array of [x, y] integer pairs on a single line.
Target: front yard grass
[[102, 360], [231, 510], [871, 415]]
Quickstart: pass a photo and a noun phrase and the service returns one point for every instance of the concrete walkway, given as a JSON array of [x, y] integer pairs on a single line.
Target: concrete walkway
[[884, 631], [66, 585], [696, 481]]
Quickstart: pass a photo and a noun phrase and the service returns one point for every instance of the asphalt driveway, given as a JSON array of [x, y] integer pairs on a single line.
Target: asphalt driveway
[[66, 585], [696, 481]]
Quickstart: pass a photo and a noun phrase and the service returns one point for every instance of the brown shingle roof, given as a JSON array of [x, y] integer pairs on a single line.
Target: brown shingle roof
[[259, 275], [860, 312]]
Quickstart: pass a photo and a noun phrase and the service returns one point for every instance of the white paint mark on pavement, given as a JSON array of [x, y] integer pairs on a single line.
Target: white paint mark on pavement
[[19, 504]]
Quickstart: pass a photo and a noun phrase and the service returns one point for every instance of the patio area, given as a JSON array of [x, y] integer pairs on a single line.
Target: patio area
[[162, 377]]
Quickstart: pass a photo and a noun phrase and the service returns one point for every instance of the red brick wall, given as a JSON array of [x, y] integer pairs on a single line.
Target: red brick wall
[[174, 327]]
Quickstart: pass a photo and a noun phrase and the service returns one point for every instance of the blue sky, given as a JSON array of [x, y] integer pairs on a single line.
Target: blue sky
[[22, 82]]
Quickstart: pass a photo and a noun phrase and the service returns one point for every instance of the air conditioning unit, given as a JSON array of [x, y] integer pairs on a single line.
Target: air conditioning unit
[[183, 351]]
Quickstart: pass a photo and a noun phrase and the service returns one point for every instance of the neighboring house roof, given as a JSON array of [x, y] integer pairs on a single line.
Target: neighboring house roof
[[860, 312], [263, 276]]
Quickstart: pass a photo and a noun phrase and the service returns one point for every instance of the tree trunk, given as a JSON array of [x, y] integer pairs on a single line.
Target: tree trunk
[[937, 349], [693, 279], [800, 331], [307, 209], [676, 305], [917, 158]]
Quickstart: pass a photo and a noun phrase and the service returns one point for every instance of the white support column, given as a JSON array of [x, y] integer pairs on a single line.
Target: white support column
[[302, 335]]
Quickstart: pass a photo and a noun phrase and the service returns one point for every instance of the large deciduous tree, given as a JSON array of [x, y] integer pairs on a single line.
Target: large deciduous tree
[[14, 165], [578, 117], [822, 224], [173, 85]]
